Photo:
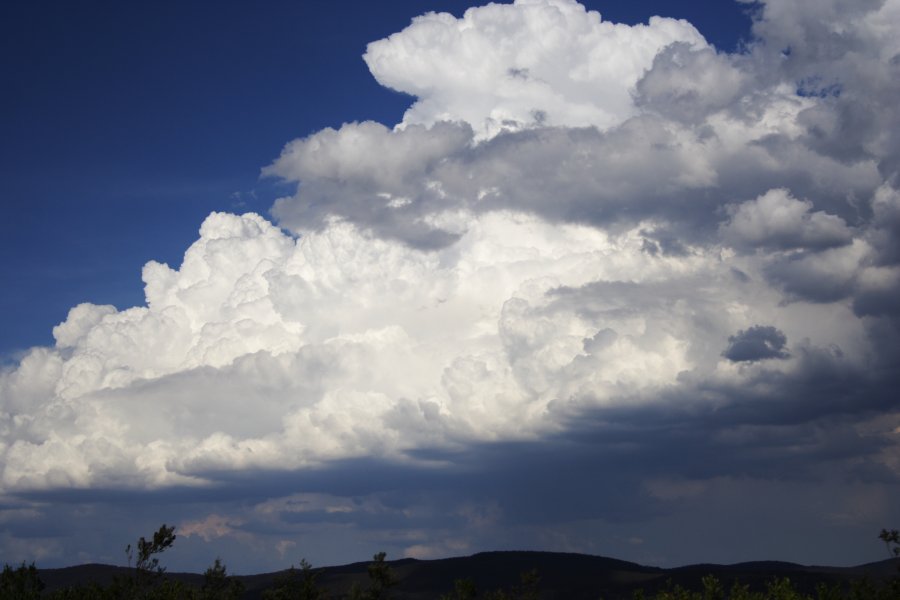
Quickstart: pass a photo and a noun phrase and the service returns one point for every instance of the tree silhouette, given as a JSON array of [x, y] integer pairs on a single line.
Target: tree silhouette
[[292, 586], [381, 580], [891, 539], [147, 561], [217, 585]]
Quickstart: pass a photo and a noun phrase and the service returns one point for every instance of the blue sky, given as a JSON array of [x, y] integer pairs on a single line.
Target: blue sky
[[509, 279]]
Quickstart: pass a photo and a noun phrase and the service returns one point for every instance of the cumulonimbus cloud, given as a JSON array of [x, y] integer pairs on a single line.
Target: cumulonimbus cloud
[[574, 215]]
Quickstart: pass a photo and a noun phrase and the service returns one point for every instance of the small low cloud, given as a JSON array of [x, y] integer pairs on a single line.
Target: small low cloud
[[212, 527], [759, 342]]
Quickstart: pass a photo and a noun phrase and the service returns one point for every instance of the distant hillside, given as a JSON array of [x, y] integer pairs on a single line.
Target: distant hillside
[[563, 576]]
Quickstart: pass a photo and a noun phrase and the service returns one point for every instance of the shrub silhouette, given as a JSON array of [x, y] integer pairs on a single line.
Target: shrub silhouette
[[22, 583], [463, 589]]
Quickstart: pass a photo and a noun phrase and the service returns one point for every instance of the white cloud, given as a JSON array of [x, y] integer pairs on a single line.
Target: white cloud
[[534, 62], [777, 220], [687, 83], [445, 284], [80, 321], [266, 351]]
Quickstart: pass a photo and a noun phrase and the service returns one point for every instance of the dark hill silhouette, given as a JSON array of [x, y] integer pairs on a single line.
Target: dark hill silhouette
[[563, 576]]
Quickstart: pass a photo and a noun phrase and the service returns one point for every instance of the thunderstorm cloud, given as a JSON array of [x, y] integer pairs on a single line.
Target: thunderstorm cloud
[[588, 247]]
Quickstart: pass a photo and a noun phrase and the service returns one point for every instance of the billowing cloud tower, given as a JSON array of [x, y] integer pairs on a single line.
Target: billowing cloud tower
[[580, 231]]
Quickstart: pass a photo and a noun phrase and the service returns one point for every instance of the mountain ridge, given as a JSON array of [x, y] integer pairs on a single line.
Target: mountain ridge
[[563, 575]]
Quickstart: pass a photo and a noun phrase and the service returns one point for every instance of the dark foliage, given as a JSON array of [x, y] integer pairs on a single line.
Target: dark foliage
[[297, 586], [22, 583], [217, 585]]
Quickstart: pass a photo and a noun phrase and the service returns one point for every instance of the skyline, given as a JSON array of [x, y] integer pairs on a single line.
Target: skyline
[[522, 276]]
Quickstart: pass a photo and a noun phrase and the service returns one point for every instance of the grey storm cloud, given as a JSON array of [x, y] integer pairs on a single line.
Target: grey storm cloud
[[756, 343]]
